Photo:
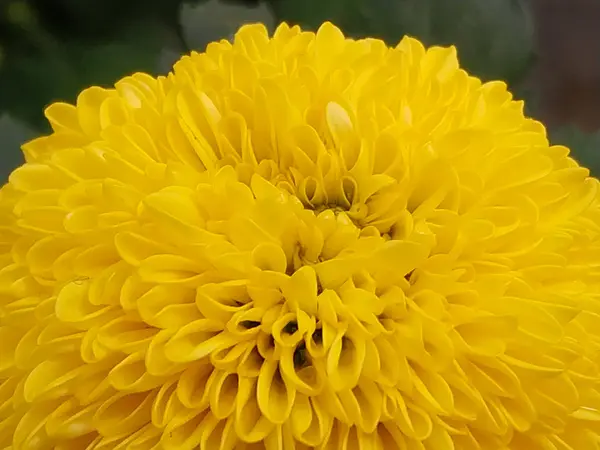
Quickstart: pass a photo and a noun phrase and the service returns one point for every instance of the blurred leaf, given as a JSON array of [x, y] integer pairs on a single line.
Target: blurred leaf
[[94, 20], [13, 133], [494, 37], [585, 147], [214, 20]]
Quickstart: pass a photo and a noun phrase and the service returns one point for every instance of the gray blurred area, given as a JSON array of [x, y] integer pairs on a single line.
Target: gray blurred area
[[568, 69]]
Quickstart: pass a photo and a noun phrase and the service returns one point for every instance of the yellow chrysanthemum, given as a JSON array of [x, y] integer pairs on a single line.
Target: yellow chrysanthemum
[[298, 242]]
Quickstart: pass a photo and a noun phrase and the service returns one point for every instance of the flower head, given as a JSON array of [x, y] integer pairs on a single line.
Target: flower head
[[298, 242]]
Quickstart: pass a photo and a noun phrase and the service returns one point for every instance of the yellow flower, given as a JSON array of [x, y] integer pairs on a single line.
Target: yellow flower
[[299, 242]]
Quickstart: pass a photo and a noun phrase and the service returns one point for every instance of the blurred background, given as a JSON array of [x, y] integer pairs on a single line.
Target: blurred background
[[547, 50]]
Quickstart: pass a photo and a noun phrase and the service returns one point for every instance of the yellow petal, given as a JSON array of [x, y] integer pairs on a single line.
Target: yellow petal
[[197, 340], [88, 106], [127, 335], [250, 423], [345, 360], [130, 375], [73, 306], [170, 269], [223, 393], [51, 375], [275, 397], [157, 361], [301, 290], [187, 429], [135, 248], [166, 404], [62, 116], [124, 413]]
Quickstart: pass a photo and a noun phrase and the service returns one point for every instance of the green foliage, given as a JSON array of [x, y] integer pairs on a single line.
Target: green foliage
[[12, 134]]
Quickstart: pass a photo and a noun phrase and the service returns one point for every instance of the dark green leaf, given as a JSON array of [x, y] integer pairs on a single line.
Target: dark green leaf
[[13, 133]]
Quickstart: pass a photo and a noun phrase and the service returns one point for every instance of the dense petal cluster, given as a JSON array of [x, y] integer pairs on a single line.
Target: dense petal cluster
[[299, 242]]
